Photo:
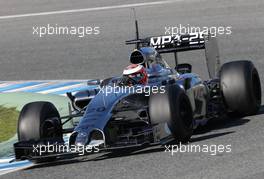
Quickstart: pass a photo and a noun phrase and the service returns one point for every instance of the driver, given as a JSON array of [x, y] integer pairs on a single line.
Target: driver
[[135, 74]]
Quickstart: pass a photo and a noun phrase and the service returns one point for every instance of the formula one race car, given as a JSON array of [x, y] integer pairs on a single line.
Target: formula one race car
[[177, 103]]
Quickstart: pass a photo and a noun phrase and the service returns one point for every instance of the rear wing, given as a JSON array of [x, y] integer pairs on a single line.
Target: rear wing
[[185, 42], [168, 43]]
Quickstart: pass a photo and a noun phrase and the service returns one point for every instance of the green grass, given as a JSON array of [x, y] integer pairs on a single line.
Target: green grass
[[8, 122]]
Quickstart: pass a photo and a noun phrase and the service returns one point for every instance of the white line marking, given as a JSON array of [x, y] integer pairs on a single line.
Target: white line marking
[[62, 80], [4, 84], [87, 9], [5, 160], [62, 88], [29, 87], [13, 169]]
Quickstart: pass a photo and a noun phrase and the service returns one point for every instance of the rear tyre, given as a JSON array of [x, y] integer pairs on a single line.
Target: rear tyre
[[241, 88], [173, 107]]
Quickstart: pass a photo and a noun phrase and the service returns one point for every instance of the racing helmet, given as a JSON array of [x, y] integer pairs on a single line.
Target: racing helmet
[[135, 74]]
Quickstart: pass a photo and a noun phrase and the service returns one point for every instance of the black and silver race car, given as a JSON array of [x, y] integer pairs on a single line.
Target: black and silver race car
[[134, 120]]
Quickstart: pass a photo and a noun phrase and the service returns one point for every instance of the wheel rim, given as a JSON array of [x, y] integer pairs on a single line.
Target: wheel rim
[[49, 129]]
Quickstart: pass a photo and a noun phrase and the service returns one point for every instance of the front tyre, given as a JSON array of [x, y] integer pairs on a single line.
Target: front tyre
[[38, 121], [173, 107]]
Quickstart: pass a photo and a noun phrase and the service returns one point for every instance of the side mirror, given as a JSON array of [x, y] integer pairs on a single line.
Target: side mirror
[[93, 82], [183, 68]]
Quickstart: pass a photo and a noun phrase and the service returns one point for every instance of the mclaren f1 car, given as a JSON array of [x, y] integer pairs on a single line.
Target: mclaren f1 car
[[129, 119]]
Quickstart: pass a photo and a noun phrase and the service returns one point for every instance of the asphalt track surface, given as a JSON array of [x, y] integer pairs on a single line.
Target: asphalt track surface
[[27, 57]]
